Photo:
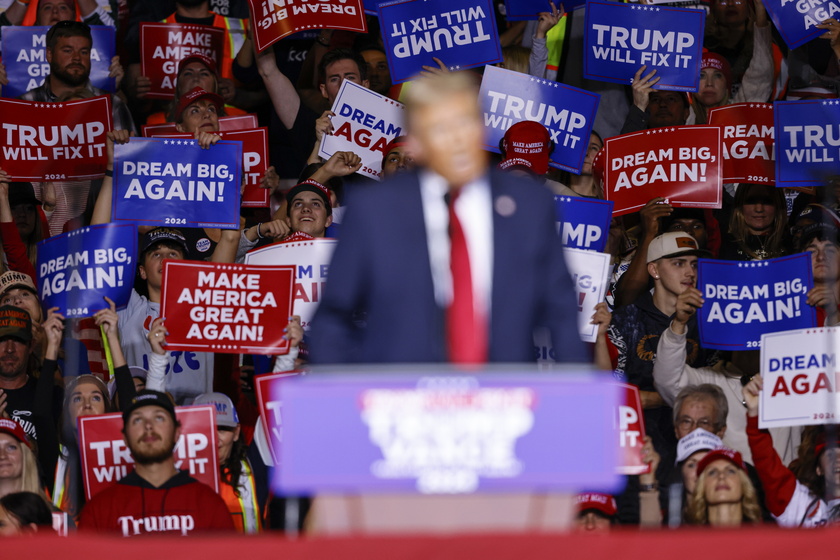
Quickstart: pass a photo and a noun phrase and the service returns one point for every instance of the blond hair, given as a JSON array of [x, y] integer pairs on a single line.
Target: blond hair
[[432, 90], [517, 58], [697, 511]]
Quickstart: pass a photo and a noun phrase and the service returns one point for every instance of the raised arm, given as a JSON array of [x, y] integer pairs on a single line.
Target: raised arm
[[280, 89], [102, 208]]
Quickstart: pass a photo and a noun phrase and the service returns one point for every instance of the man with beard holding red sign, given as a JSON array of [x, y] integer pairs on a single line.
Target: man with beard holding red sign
[[68, 53], [156, 497]]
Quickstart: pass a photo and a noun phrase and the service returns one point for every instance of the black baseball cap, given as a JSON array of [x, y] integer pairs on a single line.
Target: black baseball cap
[[147, 397]]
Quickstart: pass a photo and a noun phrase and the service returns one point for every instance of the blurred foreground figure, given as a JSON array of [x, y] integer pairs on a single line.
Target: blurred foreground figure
[[450, 262]]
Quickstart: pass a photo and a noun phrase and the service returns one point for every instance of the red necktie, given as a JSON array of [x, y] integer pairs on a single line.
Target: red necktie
[[466, 331]]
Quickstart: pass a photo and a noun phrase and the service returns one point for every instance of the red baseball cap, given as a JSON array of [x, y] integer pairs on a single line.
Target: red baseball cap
[[15, 430], [601, 502], [526, 144], [194, 95], [198, 57], [718, 62], [821, 444], [721, 453]]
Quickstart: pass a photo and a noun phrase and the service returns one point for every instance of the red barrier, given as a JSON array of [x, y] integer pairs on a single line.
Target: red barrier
[[767, 543]]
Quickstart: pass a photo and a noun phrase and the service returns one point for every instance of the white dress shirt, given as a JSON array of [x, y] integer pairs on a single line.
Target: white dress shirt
[[474, 207]]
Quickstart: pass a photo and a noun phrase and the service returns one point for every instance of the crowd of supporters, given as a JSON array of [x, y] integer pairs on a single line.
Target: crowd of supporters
[[710, 463]]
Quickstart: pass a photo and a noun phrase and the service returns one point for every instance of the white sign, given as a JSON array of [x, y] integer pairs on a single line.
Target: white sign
[[364, 123], [311, 259], [590, 272], [800, 377]]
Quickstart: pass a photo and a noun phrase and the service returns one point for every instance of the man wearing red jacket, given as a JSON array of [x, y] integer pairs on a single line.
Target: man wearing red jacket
[[156, 497]]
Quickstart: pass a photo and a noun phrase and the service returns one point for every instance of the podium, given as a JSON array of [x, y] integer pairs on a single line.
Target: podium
[[442, 451]]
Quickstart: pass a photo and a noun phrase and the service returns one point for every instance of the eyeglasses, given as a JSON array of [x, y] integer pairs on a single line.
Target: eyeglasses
[[687, 424]]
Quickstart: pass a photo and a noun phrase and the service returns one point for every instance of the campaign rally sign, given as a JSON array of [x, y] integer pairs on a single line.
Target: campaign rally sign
[[236, 122], [516, 10], [25, 55], [807, 142], [36, 148], [106, 458], [620, 38], [748, 145], [163, 45], [364, 123], [631, 432], [162, 182], [799, 369], [744, 300], [271, 410], [797, 20], [311, 259], [583, 223], [275, 19], [461, 33], [590, 271], [76, 270], [439, 432], [254, 161], [229, 308], [681, 164], [508, 97]]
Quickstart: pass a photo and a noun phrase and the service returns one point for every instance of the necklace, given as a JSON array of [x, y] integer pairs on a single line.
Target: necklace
[[761, 253]]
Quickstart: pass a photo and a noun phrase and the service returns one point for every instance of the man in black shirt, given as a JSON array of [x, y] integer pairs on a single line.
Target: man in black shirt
[[19, 398]]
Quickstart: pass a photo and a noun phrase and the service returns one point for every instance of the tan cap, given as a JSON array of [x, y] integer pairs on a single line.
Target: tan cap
[[674, 244], [15, 279]]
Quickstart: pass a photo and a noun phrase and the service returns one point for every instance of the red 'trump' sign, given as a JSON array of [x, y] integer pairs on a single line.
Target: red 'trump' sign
[[54, 141], [106, 457]]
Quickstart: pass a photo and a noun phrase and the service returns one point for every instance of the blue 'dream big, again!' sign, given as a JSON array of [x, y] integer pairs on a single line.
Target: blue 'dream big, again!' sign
[[508, 97], [461, 33], [173, 182], [76, 270], [797, 20], [583, 223], [24, 52], [620, 38], [807, 142], [744, 300], [447, 433]]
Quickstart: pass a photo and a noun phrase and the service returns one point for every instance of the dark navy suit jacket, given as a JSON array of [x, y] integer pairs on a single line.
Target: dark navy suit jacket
[[381, 273]]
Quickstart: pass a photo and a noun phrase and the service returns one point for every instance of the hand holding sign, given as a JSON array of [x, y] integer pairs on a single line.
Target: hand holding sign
[[107, 319], [157, 336], [642, 86], [54, 330], [688, 303], [752, 392]]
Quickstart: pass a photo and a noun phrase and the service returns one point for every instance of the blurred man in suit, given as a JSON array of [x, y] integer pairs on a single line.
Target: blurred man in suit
[[451, 262]]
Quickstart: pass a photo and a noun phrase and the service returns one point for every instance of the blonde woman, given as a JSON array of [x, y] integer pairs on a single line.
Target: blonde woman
[[18, 466], [723, 495]]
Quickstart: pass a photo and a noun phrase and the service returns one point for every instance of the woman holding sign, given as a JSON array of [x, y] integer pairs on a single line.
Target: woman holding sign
[[716, 73], [794, 501], [84, 395], [242, 471]]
